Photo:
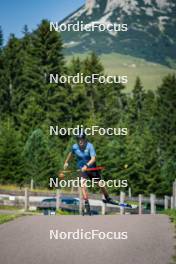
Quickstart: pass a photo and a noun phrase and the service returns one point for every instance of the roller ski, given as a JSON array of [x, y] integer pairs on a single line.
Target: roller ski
[[114, 202], [86, 208]]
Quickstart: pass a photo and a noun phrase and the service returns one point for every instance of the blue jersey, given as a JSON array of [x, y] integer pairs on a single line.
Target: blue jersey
[[83, 155]]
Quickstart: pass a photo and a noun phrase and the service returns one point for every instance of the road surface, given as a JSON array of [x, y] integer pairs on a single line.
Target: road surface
[[27, 240]]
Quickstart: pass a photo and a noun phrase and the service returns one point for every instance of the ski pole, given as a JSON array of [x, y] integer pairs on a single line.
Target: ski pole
[[98, 168]]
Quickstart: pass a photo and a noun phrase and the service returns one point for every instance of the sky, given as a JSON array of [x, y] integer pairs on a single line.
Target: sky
[[14, 14]]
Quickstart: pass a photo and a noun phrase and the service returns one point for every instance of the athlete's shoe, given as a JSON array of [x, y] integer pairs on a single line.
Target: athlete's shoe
[[125, 205], [110, 201]]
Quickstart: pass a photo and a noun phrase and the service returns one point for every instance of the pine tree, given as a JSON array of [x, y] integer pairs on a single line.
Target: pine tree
[[13, 67], [78, 100], [5, 97], [48, 52], [27, 84], [75, 66], [166, 127], [115, 103], [137, 101], [92, 65], [12, 164], [40, 165], [1, 39]]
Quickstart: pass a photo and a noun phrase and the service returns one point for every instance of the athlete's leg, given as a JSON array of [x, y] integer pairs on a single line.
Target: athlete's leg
[[83, 177], [107, 199], [104, 191], [84, 189], [85, 196]]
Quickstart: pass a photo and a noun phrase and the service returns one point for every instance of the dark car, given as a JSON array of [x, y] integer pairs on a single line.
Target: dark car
[[67, 204]]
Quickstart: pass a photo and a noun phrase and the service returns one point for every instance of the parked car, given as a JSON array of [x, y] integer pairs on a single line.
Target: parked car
[[48, 205], [67, 204]]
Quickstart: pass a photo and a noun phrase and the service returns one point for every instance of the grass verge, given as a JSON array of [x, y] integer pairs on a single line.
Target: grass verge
[[172, 215], [62, 212], [8, 217], [9, 207]]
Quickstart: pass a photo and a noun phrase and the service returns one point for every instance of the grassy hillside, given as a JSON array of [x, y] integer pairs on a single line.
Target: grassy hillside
[[150, 73]]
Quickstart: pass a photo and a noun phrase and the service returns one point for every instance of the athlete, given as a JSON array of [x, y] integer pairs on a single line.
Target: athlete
[[86, 158]]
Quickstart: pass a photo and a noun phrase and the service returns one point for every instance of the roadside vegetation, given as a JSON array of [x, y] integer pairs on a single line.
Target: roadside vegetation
[[8, 217]]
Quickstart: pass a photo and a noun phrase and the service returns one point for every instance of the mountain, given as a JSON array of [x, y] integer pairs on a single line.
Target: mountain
[[151, 31]]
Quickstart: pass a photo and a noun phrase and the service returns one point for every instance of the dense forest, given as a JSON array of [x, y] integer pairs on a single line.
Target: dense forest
[[30, 104]]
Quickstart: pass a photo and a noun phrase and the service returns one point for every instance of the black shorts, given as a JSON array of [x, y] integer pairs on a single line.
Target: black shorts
[[91, 175]]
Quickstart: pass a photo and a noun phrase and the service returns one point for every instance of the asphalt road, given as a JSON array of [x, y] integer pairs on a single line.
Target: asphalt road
[[27, 240]]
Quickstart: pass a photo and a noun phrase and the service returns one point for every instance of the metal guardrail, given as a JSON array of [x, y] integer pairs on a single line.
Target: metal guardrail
[[158, 201], [21, 199]]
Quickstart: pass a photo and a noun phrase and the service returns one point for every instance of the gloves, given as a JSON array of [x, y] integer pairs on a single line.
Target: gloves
[[84, 168]]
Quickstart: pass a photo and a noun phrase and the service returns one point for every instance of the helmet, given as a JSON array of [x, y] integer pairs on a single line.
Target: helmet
[[81, 135]]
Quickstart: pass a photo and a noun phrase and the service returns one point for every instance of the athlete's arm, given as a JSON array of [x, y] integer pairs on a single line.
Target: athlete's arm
[[93, 158], [69, 157], [91, 161], [92, 155]]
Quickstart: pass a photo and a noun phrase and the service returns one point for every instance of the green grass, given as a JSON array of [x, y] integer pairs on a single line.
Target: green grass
[[7, 217], [9, 187], [62, 212], [132, 202], [172, 214], [150, 73], [9, 207]]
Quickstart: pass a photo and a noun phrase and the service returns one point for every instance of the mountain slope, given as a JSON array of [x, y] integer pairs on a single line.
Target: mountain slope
[[151, 74], [151, 29]]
